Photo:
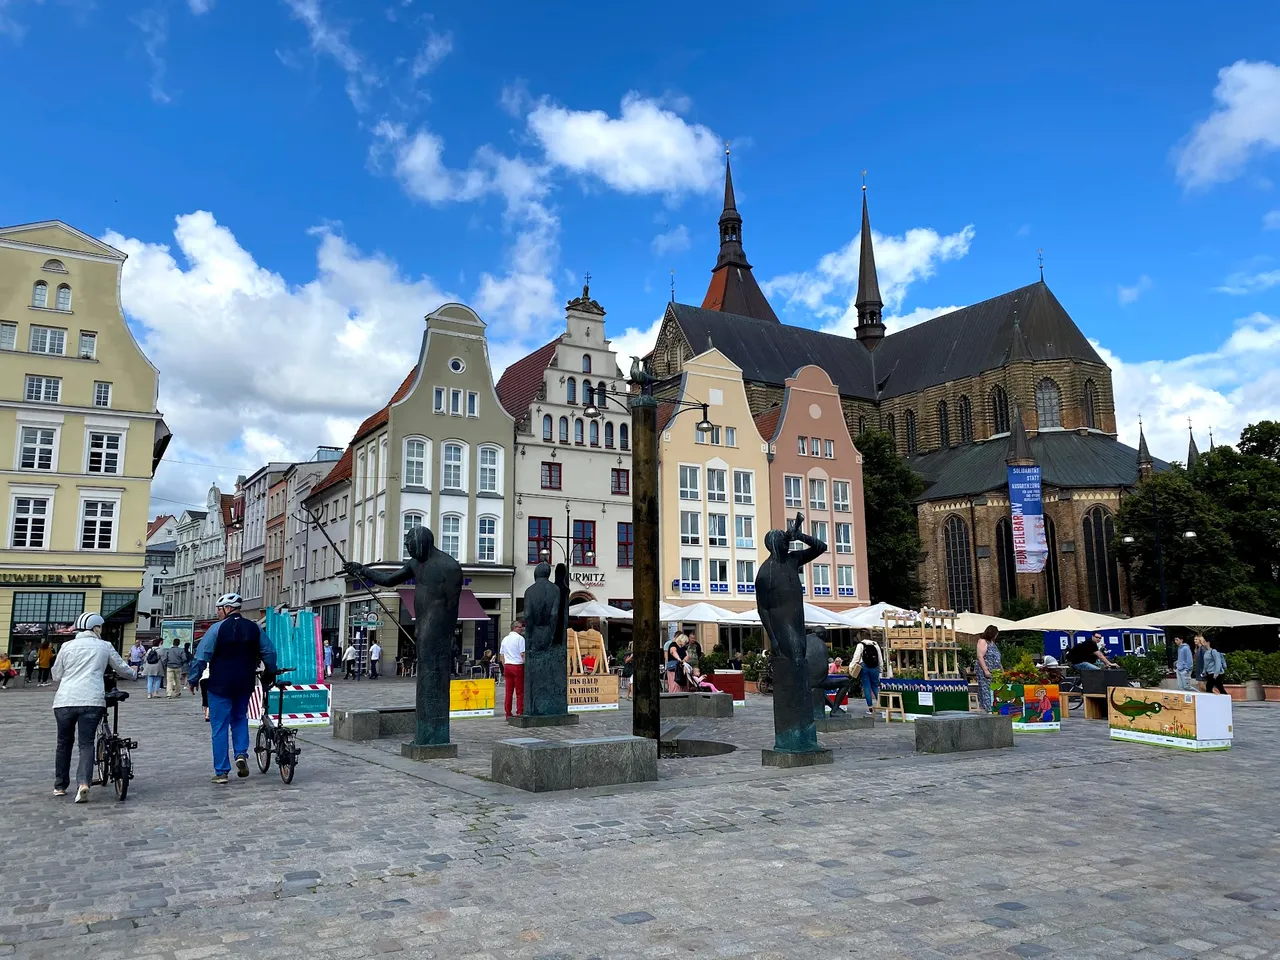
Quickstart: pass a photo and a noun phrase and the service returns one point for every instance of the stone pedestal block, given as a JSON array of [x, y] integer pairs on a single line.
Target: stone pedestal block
[[949, 732], [839, 722], [355, 724], [714, 705], [810, 758], [529, 763], [437, 751], [555, 720]]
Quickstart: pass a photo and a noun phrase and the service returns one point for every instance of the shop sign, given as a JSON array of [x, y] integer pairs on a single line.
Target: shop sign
[[598, 691], [51, 579], [587, 579]]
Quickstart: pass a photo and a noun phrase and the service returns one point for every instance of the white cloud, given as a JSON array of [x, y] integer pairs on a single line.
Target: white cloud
[[1128, 295], [1245, 282], [648, 148], [251, 365], [334, 42], [1246, 121], [436, 48], [515, 98], [1236, 384], [199, 7], [673, 241], [830, 289], [636, 342], [1271, 220], [419, 166], [154, 26]]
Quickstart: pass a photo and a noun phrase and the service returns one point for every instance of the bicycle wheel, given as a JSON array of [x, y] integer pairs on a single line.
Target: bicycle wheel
[[262, 750], [102, 756], [122, 774], [287, 760]]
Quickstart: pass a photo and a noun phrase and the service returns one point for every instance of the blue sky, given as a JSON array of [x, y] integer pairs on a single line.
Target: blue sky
[[298, 181]]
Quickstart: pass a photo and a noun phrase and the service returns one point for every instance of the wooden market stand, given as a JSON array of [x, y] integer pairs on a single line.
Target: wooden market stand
[[925, 641]]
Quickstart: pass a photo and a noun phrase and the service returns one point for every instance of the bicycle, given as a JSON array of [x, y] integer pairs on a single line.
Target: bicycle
[[274, 736], [765, 683], [112, 758]]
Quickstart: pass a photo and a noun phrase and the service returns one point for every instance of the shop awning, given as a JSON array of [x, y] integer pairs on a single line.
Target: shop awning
[[468, 606]]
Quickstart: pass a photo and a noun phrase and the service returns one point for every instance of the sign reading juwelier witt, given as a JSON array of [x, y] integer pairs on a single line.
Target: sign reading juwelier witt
[[1170, 718], [1026, 514]]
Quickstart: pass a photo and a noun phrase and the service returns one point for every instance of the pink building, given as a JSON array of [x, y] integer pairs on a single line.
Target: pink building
[[815, 469]]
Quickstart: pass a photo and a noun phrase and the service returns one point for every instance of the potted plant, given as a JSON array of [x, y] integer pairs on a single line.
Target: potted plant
[[1269, 672], [752, 666], [1242, 681]]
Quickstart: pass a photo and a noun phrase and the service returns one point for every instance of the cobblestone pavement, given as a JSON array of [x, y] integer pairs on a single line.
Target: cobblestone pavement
[[1068, 845]]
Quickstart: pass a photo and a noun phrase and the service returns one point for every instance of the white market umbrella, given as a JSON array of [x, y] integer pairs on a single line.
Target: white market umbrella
[[595, 610], [1069, 620], [976, 623], [816, 616], [703, 612], [1201, 616], [748, 618], [870, 617], [669, 612]]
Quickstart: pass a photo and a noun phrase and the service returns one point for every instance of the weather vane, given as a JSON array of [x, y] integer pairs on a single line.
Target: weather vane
[[726, 148], [673, 286], [864, 181]]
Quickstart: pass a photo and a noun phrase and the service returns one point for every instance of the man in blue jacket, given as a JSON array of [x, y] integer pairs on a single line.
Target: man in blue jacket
[[231, 648], [1186, 663]]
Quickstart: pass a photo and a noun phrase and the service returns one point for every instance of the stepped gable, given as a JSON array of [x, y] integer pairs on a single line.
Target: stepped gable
[[521, 381]]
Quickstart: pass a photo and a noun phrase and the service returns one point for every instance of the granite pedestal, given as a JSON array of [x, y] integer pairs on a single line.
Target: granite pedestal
[[536, 765], [809, 758], [371, 724], [839, 722], [553, 720], [957, 732], [717, 705], [435, 751]]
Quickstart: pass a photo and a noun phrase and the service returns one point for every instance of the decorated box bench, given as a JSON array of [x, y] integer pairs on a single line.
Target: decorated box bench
[[924, 698]]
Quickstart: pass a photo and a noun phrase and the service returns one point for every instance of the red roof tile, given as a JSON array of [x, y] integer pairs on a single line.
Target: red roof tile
[[154, 526], [767, 422], [227, 500], [341, 471], [380, 418], [520, 382]]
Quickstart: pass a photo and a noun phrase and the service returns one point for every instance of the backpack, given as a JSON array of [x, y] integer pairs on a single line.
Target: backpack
[[152, 656], [870, 656]]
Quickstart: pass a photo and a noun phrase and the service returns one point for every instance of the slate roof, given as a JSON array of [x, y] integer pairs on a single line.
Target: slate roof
[[521, 381], [959, 344], [1067, 459]]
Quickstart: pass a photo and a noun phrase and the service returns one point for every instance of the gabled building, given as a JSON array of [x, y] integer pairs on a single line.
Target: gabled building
[[253, 538], [299, 479], [328, 501], [573, 461], [180, 590], [273, 559], [235, 540]]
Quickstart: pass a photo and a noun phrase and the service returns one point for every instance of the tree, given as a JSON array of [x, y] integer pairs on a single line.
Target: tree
[[889, 490], [1245, 487], [1261, 439]]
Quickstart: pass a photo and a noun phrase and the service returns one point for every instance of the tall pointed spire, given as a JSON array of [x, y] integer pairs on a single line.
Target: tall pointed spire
[[1146, 465], [733, 287], [869, 305], [1193, 452], [1019, 454]]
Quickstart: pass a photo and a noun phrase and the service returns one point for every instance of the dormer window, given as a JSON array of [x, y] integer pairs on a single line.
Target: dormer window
[[54, 266]]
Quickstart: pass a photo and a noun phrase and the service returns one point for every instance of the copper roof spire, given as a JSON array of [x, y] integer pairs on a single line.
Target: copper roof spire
[[733, 287], [730, 223], [869, 305]]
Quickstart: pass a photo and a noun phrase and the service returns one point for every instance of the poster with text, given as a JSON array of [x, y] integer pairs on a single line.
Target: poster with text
[[1026, 514]]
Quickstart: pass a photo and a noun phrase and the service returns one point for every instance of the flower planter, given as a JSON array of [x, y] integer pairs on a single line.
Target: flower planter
[[1271, 691], [1235, 691], [730, 682]]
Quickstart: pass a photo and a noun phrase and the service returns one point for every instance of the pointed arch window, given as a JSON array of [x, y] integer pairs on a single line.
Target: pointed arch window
[[586, 363], [964, 418], [1100, 570], [892, 428], [564, 429], [1090, 405], [1006, 562], [1048, 404], [548, 430], [944, 425], [862, 425], [1052, 585], [911, 433], [999, 410], [959, 564], [608, 436]]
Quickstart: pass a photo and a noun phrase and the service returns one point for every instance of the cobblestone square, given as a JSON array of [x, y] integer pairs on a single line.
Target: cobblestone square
[[1069, 845]]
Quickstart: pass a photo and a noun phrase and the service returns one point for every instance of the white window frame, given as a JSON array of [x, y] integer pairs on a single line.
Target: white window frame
[[821, 579], [744, 532], [815, 447], [802, 445], [844, 544], [461, 534], [460, 466], [818, 530], [45, 381], [690, 472], [747, 567], [690, 528], [438, 400], [105, 432], [415, 466], [40, 295], [840, 496], [691, 565], [790, 481], [48, 336], [406, 526], [92, 352], [30, 492], [496, 469], [99, 496], [98, 388], [730, 436], [473, 403], [8, 336], [844, 572], [717, 575], [817, 493], [57, 298], [829, 449], [57, 440], [481, 537], [717, 529], [716, 492], [744, 487], [455, 403]]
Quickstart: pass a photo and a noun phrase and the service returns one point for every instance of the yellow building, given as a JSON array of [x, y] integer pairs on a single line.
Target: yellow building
[[80, 438], [713, 492]]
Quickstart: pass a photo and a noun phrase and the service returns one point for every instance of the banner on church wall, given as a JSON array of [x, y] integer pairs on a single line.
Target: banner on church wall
[[1026, 511]]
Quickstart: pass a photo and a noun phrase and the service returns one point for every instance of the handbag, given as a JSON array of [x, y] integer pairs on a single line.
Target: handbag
[[855, 668]]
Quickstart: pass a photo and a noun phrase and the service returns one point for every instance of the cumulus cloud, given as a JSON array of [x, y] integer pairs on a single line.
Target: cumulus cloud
[[1245, 122], [636, 342], [1244, 282], [829, 290], [153, 23], [647, 148], [333, 41], [1128, 295], [672, 241], [436, 48], [1225, 389]]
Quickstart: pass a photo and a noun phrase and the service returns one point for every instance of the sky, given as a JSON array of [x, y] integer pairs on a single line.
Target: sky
[[298, 182]]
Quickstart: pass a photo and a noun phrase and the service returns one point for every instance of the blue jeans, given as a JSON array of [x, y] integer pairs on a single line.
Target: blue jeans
[[226, 712], [1184, 680], [870, 677], [153, 685], [1088, 665]]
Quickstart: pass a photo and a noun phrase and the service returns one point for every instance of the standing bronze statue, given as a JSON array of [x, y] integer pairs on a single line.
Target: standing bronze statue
[[546, 681], [437, 586], [780, 600]]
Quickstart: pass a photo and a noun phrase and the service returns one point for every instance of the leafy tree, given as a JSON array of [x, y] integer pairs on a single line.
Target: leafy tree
[[1019, 608], [893, 540], [1244, 485], [1261, 439]]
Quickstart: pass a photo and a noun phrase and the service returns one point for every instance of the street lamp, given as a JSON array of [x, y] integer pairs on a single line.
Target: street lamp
[[1164, 596], [645, 623]]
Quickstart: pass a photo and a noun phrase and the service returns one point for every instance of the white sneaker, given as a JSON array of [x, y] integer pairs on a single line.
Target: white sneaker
[[82, 795]]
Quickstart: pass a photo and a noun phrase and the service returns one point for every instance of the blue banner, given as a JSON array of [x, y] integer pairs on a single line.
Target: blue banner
[[1026, 512]]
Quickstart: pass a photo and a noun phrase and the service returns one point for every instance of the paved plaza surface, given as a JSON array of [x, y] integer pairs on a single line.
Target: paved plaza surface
[[1068, 845]]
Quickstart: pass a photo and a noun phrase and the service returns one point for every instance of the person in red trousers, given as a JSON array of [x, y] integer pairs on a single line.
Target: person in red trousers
[[511, 653]]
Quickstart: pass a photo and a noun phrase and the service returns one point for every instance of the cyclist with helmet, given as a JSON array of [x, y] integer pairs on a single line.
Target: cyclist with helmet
[[231, 648], [81, 701]]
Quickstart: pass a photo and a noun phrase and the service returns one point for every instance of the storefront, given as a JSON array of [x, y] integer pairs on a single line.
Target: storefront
[[35, 607]]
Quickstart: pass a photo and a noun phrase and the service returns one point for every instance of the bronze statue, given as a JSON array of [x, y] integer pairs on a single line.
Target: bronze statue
[[437, 586], [546, 679]]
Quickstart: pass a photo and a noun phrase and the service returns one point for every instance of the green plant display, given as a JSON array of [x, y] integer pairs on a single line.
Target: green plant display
[[1269, 668], [1243, 665], [910, 673], [1146, 670], [714, 660], [753, 665]]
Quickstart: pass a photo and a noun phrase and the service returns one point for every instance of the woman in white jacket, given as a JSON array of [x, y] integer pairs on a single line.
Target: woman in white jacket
[[81, 700]]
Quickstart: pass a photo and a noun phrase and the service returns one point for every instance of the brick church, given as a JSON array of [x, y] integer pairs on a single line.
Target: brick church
[[1010, 380]]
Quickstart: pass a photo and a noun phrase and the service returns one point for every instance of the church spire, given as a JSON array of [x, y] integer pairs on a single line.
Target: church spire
[[731, 251], [870, 328], [1019, 450], [1193, 452], [1146, 466], [733, 287]]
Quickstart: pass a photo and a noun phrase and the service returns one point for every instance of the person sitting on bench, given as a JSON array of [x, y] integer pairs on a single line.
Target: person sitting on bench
[[1087, 654]]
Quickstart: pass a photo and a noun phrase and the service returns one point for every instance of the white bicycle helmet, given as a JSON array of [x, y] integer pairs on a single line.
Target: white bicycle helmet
[[230, 600], [89, 621]]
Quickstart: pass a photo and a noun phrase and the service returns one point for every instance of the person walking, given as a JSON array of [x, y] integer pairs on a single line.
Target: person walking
[[231, 649], [375, 654], [137, 654], [349, 661], [29, 660], [511, 653], [328, 661], [1197, 669], [1215, 667], [81, 700], [153, 670], [629, 669], [1185, 664], [44, 662], [988, 662], [174, 660], [866, 665]]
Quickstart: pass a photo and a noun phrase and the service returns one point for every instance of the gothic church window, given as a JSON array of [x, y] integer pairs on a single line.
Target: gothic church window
[[999, 410], [1090, 405], [893, 430], [1048, 404], [911, 433], [944, 425], [1006, 562], [1100, 570], [965, 417], [959, 564], [1052, 585]]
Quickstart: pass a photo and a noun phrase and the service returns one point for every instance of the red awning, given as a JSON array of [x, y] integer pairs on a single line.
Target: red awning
[[468, 606]]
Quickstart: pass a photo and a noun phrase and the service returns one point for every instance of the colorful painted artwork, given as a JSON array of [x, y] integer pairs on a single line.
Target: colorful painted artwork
[[471, 698], [923, 698], [1170, 718], [1034, 707]]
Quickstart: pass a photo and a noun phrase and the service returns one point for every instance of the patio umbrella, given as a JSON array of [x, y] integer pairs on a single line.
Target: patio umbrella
[[976, 623], [669, 612], [748, 618], [594, 609], [703, 612], [1068, 619], [816, 616], [1201, 616], [870, 617]]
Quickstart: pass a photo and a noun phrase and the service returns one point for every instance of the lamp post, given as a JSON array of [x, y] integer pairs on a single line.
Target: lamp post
[[567, 546], [646, 626]]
